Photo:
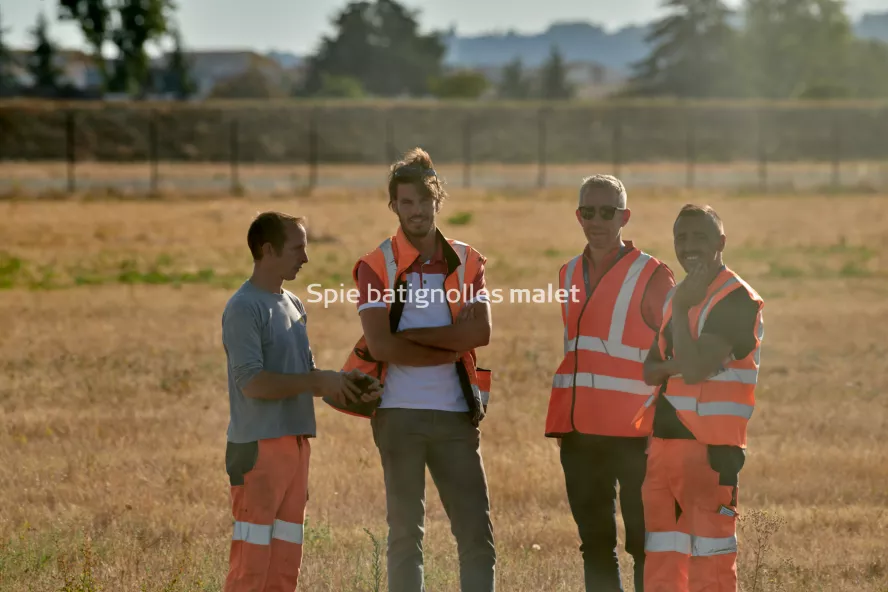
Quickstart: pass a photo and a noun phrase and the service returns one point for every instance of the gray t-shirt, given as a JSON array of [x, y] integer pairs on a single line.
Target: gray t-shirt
[[262, 330]]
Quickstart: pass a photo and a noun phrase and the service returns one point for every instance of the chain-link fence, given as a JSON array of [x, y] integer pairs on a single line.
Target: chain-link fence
[[281, 147]]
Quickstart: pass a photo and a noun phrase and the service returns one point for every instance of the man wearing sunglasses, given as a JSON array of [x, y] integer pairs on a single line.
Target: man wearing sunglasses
[[421, 344], [599, 385]]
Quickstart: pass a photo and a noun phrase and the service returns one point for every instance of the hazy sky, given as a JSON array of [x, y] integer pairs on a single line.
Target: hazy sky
[[297, 25]]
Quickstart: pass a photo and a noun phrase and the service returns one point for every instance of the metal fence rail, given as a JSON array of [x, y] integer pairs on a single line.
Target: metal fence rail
[[274, 147]]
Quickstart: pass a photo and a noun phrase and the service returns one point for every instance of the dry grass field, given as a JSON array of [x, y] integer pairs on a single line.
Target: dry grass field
[[113, 403]]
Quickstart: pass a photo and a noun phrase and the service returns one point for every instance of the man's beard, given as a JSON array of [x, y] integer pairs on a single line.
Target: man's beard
[[406, 225]]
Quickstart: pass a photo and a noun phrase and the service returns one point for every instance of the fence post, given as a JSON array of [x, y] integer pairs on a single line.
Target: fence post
[[234, 145], [617, 143], [761, 146], [836, 152], [70, 150], [467, 152], [153, 151], [691, 148], [541, 148], [313, 151], [390, 151]]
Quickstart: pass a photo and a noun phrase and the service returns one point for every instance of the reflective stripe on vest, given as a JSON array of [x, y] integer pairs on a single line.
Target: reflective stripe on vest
[[391, 266], [607, 383]]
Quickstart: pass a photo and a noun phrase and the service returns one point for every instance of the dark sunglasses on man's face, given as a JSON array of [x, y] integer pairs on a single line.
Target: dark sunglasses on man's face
[[606, 212]]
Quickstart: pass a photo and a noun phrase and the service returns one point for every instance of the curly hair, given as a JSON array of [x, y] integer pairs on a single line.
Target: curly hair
[[416, 168]]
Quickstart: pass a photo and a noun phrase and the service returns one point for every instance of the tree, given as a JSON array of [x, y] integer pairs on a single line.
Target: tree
[[514, 84], [94, 18], [340, 87], [177, 77], [460, 85], [797, 48], [141, 21], [252, 83], [378, 43], [869, 71], [693, 53], [7, 80], [41, 62], [553, 80]]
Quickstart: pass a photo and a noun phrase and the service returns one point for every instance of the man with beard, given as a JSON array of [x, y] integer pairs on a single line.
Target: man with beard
[[704, 363], [424, 310], [599, 385]]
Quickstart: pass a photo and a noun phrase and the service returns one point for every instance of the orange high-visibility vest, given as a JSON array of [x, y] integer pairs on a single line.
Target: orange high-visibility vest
[[390, 260], [717, 410], [599, 385]]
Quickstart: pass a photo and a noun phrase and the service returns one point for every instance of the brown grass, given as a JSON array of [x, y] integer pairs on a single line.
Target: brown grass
[[113, 406]]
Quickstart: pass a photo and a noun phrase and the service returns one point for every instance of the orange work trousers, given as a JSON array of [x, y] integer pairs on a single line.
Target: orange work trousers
[[269, 492], [690, 521]]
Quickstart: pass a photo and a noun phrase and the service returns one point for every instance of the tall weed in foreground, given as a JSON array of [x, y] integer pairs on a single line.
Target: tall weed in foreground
[[759, 527]]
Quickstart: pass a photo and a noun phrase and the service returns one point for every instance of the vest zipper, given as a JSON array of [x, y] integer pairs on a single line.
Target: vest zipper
[[573, 394]]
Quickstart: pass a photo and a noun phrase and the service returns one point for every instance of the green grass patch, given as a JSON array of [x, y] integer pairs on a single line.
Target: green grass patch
[[460, 219], [784, 271], [16, 272]]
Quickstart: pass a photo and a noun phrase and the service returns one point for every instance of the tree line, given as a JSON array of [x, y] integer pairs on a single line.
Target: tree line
[[773, 49], [129, 26]]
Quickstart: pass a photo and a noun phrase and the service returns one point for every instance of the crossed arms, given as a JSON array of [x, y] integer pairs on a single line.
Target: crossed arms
[[429, 346]]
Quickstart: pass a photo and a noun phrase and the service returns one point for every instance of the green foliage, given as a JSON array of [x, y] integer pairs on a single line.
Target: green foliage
[[378, 43], [514, 84], [252, 83], [460, 85], [41, 62], [141, 21], [6, 79], [797, 48], [340, 87], [553, 83], [694, 53], [128, 24], [460, 218], [94, 18], [785, 49], [177, 78]]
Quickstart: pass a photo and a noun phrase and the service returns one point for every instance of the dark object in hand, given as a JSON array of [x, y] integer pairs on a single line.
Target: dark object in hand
[[365, 408]]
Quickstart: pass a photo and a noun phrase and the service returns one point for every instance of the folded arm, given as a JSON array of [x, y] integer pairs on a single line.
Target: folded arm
[[472, 330], [700, 358], [395, 348]]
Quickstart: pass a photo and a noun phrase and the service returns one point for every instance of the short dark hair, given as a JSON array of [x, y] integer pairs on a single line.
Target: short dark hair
[[270, 227], [416, 168], [692, 210]]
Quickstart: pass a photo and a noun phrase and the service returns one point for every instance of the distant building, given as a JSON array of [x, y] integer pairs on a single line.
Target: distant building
[[208, 68], [75, 67]]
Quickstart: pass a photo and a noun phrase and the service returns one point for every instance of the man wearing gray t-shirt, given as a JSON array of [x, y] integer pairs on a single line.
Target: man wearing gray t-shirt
[[272, 380]]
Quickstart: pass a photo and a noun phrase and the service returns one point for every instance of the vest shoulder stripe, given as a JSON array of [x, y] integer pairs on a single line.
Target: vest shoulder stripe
[[621, 306]]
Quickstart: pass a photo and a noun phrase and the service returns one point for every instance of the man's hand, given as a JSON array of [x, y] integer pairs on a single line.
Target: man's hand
[[692, 289], [466, 314], [336, 385], [370, 386]]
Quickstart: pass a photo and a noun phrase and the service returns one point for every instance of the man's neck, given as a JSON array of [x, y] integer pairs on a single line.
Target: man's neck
[[266, 282], [426, 245], [598, 255]]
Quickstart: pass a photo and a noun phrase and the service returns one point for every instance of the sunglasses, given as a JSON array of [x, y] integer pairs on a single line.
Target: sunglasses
[[606, 212]]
